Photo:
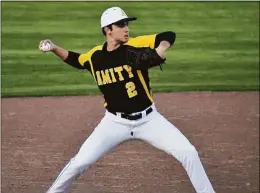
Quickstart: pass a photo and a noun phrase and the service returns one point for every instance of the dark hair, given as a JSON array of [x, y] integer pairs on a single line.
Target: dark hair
[[103, 29]]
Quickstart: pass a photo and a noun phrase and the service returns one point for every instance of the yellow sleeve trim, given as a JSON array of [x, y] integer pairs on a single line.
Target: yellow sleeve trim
[[92, 70], [140, 75], [86, 57], [142, 41]]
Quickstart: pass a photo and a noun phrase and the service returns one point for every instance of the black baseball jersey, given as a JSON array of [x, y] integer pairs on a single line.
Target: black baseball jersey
[[124, 89]]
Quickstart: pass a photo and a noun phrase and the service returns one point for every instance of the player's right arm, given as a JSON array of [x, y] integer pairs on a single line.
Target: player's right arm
[[72, 58]]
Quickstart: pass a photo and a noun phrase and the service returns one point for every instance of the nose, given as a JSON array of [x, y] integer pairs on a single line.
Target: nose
[[126, 28]]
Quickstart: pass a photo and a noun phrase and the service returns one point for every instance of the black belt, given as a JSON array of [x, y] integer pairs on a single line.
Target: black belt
[[133, 117]]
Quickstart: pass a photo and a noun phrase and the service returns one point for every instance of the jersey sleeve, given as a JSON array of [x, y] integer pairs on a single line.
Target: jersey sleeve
[[142, 41], [81, 61], [73, 60], [85, 59], [153, 40]]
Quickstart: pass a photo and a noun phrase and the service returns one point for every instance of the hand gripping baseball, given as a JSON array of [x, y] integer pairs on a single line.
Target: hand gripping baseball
[[47, 46], [143, 58]]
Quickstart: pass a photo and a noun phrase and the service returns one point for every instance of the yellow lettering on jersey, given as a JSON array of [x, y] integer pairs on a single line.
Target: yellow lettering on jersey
[[99, 81], [129, 70], [119, 69], [131, 91], [106, 77], [111, 70]]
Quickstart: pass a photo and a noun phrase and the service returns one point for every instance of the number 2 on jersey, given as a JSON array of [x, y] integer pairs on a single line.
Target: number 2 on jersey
[[130, 86]]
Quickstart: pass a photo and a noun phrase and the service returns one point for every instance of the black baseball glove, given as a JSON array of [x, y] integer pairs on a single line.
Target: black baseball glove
[[143, 58]]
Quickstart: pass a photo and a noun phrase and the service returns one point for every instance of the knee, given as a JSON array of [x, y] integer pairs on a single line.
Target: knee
[[80, 165], [188, 155], [191, 153]]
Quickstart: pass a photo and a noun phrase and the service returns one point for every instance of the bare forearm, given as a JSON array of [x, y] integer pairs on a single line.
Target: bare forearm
[[161, 49], [61, 52]]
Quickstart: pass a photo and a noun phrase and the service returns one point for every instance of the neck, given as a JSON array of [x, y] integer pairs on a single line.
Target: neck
[[112, 45]]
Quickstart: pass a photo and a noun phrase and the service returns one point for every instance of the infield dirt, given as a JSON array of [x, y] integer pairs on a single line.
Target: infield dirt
[[40, 135]]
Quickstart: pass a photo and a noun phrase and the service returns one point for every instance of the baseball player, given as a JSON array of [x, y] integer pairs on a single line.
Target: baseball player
[[120, 68]]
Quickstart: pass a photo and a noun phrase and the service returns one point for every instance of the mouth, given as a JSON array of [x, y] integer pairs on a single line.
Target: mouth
[[126, 36]]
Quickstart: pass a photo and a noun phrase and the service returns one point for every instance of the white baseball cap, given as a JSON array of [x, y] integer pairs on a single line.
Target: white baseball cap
[[114, 14]]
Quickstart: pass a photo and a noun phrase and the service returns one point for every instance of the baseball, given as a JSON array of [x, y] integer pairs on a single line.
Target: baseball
[[46, 47]]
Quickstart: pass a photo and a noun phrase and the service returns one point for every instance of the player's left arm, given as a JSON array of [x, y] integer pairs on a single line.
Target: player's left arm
[[163, 41], [149, 50], [153, 40]]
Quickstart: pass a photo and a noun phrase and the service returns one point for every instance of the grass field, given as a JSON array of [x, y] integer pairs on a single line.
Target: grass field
[[217, 45]]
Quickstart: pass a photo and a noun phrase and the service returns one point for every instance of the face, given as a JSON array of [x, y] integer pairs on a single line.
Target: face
[[119, 32]]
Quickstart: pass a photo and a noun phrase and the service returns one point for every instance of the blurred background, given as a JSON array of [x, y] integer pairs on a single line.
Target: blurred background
[[217, 45]]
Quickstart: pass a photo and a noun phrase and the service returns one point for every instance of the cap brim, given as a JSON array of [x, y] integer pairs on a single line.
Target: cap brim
[[131, 19]]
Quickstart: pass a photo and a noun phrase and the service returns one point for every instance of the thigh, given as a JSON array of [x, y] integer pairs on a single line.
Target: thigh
[[163, 135], [105, 136]]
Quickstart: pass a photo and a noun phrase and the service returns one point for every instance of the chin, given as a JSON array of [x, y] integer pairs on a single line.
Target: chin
[[124, 40]]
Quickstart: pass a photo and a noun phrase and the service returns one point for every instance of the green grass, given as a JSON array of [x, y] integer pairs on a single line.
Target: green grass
[[217, 45]]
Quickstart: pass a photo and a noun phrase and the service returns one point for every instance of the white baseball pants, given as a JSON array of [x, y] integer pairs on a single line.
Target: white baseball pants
[[154, 129]]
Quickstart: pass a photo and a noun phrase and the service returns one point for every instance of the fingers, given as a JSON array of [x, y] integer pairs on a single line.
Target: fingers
[[41, 44], [46, 45], [47, 41], [44, 42]]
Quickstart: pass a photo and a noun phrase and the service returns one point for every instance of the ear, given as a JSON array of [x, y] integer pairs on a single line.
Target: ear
[[107, 30]]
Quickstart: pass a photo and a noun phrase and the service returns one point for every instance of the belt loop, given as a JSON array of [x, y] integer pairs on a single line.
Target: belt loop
[[143, 113], [118, 115], [153, 107]]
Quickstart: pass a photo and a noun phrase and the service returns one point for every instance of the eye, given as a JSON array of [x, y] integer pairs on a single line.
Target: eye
[[123, 24]]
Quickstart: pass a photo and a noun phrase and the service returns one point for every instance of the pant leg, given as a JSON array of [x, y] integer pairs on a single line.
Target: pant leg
[[160, 133], [105, 136]]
